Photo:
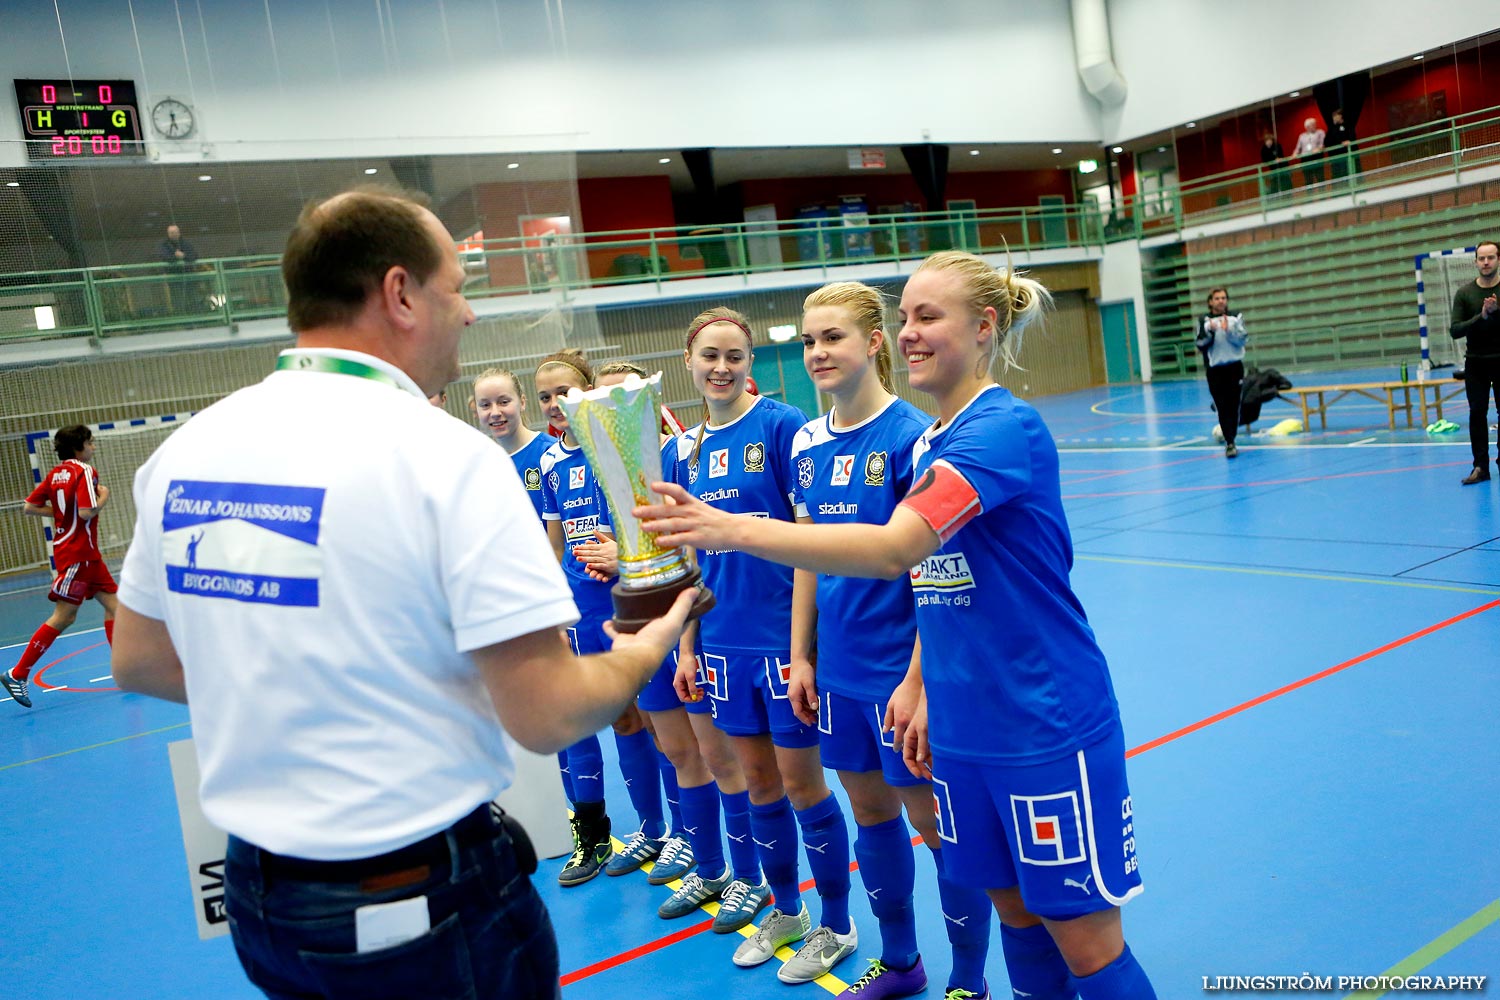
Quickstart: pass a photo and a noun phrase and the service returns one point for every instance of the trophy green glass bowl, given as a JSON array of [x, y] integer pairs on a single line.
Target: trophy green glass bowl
[[618, 427]]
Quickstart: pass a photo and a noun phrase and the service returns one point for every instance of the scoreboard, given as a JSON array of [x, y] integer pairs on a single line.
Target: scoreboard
[[69, 120]]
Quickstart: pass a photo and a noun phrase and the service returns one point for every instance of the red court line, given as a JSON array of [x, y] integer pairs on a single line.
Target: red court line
[[614, 961], [1146, 468], [1287, 689], [37, 680], [1263, 482]]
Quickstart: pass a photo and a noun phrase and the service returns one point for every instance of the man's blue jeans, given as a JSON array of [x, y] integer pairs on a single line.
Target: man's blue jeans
[[293, 921]]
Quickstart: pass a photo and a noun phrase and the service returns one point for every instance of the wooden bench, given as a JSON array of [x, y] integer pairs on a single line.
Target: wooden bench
[[1396, 395]]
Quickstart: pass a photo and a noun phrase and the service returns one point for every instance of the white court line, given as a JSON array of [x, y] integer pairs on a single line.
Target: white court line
[[1184, 444], [106, 677], [1361, 441], [82, 631]]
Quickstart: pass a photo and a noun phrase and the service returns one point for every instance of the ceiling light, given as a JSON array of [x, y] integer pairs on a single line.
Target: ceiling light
[[1192, 125], [372, 170], [665, 159], [12, 184], [1056, 150], [973, 152], [1295, 93], [205, 177], [1117, 149], [1414, 58], [512, 166], [1161, 149], [1087, 166]]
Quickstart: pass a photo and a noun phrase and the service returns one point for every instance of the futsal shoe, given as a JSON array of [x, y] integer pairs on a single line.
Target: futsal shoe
[[696, 890], [775, 930], [740, 904], [822, 950], [637, 851], [1480, 474], [881, 982], [1230, 451], [959, 993], [590, 852], [16, 687], [675, 860]]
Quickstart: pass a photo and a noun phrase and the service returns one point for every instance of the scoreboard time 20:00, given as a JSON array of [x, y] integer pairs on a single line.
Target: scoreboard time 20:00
[[79, 119]]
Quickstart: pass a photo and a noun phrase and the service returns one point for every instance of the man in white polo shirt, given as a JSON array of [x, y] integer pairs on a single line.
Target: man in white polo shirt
[[355, 630]]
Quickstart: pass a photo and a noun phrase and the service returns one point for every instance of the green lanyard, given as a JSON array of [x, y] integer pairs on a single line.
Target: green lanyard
[[334, 366]]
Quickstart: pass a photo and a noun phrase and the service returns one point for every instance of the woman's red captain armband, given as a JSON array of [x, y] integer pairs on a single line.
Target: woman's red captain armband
[[944, 499]]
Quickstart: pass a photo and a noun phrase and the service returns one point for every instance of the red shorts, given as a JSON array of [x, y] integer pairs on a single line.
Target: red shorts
[[80, 581]]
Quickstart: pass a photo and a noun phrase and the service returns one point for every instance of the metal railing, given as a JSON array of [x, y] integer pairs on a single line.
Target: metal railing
[[103, 302]]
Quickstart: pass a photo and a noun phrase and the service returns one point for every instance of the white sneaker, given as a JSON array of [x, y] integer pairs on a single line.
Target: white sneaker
[[822, 950], [774, 931]]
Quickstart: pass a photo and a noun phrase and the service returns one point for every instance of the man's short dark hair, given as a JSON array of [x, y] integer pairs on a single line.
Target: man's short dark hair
[[1486, 243], [70, 440], [342, 247]]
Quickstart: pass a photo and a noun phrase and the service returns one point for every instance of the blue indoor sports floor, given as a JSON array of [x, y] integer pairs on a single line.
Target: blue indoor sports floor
[[1306, 646]]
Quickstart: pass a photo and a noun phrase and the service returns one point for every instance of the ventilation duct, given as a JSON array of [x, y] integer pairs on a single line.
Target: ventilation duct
[[1096, 61]]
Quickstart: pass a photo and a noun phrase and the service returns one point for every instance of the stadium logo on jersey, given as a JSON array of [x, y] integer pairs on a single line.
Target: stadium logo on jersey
[[755, 457], [875, 468], [533, 479], [942, 807], [1049, 828], [251, 542], [553, 481], [946, 571], [577, 476], [713, 676], [843, 470], [805, 472], [718, 463]]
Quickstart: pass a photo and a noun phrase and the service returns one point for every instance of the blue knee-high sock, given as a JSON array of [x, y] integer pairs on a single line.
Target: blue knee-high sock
[[774, 830], [742, 853], [1122, 979], [567, 776], [642, 780], [888, 867], [586, 765], [966, 915], [825, 838], [1035, 965], [700, 821], [670, 788]]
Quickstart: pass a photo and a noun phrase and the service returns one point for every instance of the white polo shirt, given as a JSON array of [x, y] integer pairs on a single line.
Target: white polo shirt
[[325, 551]]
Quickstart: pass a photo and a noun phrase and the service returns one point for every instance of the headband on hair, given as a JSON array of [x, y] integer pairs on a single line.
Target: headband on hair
[[567, 364], [722, 319]]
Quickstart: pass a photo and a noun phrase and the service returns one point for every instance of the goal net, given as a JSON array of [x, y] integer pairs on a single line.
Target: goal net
[[122, 447], [1440, 274]]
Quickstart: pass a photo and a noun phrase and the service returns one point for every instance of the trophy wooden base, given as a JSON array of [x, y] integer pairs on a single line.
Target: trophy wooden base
[[636, 606]]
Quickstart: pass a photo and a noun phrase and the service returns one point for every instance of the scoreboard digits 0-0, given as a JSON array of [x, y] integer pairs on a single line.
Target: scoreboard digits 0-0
[[79, 119]]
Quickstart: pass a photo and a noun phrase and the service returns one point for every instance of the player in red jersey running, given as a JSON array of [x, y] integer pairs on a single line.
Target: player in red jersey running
[[71, 495]]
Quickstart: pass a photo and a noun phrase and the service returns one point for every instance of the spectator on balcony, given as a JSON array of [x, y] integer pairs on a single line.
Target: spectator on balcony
[[175, 251], [1272, 158], [1310, 151], [1340, 146]]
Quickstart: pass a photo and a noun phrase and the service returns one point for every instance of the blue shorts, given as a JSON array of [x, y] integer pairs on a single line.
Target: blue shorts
[[747, 694], [850, 739], [587, 636], [660, 696], [1063, 831]]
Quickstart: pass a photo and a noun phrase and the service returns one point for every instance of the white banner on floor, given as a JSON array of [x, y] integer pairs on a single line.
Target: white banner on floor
[[204, 844]]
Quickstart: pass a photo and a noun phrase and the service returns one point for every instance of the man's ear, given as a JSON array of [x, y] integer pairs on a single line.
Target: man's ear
[[396, 296]]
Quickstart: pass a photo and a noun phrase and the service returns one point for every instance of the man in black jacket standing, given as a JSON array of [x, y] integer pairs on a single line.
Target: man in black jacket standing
[[1476, 318]]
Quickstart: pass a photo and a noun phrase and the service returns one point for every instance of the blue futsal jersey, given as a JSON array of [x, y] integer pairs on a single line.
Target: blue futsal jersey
[[851, 475], [742, 468], [529, 467], [570, 495], [1012, 670]]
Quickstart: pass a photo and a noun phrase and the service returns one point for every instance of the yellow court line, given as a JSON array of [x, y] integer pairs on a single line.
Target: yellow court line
[[1490, 592], [94, 746], [1435, 949]]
